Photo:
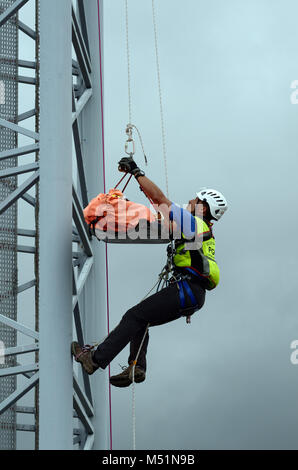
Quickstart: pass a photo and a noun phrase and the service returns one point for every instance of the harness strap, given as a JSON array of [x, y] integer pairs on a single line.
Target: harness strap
[[181, 294], [183, 284], [190, 293]]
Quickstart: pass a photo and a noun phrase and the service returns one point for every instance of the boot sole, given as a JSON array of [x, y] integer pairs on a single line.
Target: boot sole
[[120, 383], [125, 382]]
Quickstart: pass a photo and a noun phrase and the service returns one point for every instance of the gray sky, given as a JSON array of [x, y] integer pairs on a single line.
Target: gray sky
[[226, 380]]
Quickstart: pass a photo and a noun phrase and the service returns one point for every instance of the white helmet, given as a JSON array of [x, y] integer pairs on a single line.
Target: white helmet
[[216, 201]]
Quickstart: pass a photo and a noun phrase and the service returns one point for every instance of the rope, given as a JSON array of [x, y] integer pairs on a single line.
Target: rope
[[160, 100], [116, 186], [128, 62], [126, 183]]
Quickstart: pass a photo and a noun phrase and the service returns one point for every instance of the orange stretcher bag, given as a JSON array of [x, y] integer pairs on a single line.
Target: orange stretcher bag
[[112, 212]]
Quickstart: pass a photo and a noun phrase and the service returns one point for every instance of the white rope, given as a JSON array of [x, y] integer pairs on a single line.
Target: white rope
[[166, 172], [163, 133], [128, 63], [160, 99]]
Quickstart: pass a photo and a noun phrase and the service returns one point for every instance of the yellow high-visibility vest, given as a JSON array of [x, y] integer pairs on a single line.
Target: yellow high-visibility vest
[[199, 254]]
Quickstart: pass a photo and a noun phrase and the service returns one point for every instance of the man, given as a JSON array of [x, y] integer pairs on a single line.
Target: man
[[195, 271]]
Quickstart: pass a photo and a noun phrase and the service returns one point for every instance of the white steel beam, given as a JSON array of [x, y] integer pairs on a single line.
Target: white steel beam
[[83, 397], [27, 80], [21, 349], [89, 442], [26, 115], [23, 232], [82, 279], [19, 192], [55, 318], [81, 41], [82, 415], [25, 409], [27, 64], [81, 54], [18, 170], [9, 12], [26, 285], [26, 249], [81, 104], [29, 199], [81, 224], [5, 372], [26, 427], [16, 152], [19, 129], [19, 393], [27, 30], [19, 327]]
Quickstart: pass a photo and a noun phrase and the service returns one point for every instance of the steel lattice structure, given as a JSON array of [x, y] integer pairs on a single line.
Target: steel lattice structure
[[65, 144]]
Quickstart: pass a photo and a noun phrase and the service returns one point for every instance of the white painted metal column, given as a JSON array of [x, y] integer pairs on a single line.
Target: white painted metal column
[[56, 402]]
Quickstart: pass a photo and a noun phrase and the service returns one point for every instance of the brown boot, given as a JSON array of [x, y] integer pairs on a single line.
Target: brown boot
[[124, 379], [83, 354]]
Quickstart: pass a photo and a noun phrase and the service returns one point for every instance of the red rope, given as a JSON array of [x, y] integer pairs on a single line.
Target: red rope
[[126, 183], [120, 181], [104, 185]]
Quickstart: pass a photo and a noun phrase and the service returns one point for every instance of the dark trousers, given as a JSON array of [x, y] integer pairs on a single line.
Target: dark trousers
[[159, 308]]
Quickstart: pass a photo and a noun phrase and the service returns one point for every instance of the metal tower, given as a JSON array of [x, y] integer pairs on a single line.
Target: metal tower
[[61, 136]]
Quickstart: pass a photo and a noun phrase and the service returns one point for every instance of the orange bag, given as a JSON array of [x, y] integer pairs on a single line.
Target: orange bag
[[113, 212]]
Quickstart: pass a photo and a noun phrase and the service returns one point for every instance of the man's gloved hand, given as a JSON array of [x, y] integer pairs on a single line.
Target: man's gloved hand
[[128, 165]]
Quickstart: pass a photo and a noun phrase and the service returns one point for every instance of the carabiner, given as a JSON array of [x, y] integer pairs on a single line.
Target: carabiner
[[133, 151], [129, 141]]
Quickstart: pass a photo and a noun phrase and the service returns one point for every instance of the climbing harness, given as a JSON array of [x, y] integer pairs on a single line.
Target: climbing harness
[[170, 276]]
